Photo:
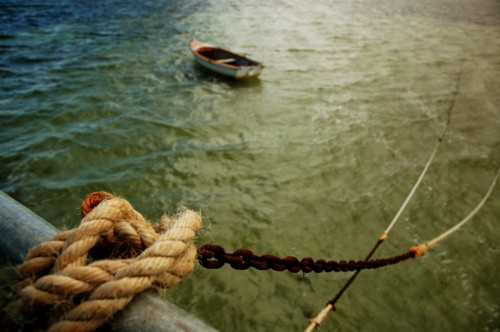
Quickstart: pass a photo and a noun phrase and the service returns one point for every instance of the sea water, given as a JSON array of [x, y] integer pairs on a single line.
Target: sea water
[[314, 158]]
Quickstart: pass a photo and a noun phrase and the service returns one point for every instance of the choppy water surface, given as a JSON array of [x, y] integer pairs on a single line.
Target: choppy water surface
[[314, 159]]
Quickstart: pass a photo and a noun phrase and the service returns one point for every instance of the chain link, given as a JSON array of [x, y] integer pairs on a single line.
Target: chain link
[[213, 256]]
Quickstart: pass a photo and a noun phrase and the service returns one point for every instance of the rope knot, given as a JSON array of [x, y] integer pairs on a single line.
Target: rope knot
[[81, 277]]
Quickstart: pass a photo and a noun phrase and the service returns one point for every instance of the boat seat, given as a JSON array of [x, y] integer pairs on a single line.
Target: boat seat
[[225, 60]]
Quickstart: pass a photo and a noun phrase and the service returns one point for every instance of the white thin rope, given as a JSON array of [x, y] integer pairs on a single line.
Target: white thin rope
[[414, 189], [466, 219], [429, 162], [315, 323]]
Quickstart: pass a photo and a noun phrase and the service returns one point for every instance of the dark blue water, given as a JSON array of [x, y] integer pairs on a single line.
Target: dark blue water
[[312, 159]]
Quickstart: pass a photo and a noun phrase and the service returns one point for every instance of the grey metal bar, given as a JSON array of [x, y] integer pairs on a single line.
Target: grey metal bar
[[21, 229]]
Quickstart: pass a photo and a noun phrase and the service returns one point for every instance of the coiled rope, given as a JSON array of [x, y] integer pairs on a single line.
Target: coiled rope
[[82, 277]]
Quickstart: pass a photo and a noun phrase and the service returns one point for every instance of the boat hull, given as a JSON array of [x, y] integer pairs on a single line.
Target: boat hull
[[245, 72]]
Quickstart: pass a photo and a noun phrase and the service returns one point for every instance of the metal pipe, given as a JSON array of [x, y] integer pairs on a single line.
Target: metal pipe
[[21, 229]]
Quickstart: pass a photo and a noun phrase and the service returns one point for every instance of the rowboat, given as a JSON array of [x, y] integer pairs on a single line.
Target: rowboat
[[224, 62]]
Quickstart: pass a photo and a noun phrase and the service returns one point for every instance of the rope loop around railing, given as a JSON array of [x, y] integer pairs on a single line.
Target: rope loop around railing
[[80, 278]]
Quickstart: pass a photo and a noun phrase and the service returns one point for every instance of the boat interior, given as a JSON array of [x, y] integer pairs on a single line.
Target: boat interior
[[221, 56]]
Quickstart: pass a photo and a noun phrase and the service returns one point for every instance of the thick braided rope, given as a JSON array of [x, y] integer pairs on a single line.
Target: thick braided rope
[[86, 294]]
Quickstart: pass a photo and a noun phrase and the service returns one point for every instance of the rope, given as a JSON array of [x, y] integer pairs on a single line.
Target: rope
[[315, 323], [331, 303], [70, 280], [422, 248], [82, 277], [414, 252], [427, 165]]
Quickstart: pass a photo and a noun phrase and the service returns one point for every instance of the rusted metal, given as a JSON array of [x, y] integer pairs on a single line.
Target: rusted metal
[[213, 256]]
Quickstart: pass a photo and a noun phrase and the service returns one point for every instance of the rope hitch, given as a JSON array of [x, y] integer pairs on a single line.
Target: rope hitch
[[80, 278]]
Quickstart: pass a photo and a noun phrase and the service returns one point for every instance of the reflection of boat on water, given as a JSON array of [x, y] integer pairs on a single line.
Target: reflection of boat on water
[[224, 62]]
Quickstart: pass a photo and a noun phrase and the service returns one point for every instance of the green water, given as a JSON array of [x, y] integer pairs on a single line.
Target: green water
[[312, 159]]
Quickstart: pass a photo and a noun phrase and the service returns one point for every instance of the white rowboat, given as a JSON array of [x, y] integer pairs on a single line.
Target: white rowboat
[[224, 62]]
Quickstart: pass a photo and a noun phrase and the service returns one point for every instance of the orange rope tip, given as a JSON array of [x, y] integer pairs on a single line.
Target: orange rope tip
[[93, 199], [419, 250]]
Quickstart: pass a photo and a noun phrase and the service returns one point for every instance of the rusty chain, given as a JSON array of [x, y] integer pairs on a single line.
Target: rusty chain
[[213, 256]]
